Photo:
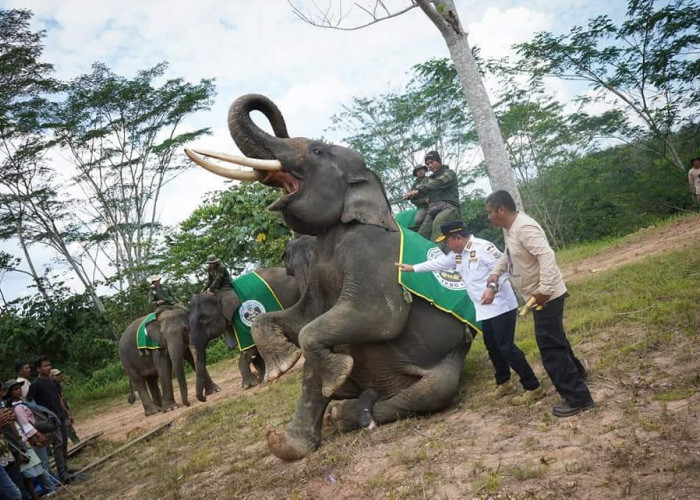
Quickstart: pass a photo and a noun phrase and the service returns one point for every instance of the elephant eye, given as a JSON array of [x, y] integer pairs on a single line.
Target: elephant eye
[[316, 151]]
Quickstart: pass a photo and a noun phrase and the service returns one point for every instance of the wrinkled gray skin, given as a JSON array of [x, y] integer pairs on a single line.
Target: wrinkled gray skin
[[355, 329], [210, 317], [145, 372]]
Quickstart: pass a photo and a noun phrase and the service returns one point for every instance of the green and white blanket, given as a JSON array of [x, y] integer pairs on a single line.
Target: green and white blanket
[[443, 289], [256, 298], [143, 341]]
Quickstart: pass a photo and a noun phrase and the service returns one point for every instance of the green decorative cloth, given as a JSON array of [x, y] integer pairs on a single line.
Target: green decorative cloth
[[256, 298], [143, 341], [405, 219], [443, 289]]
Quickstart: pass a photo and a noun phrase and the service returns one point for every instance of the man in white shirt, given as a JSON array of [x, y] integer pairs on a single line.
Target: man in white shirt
[[496, 306], [533, 267]]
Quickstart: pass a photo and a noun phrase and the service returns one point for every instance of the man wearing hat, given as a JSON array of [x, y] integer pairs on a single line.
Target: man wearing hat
[[694, 177], [161, 297], [441, 189], [218, 277], [420, 201], [495, 304]]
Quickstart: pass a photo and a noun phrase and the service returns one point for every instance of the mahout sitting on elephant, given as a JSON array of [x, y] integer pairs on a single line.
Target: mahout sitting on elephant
[[361, 338], [211, 315], [147, 367]]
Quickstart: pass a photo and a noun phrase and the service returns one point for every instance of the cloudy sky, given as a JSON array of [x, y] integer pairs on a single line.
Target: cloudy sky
[[261, 46]]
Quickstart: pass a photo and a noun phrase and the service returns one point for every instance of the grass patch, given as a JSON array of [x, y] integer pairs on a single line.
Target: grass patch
[[675, 394]]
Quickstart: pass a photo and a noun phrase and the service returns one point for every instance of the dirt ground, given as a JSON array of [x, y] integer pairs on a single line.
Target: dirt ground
[[467, 450], [678, 235]]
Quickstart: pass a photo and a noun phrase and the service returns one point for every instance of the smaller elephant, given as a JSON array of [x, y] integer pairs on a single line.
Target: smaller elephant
[[146, 370], [211, 316]]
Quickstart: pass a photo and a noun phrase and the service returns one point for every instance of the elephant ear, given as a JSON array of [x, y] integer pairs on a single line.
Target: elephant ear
[[366, 203], [153, 331], [228, 303]]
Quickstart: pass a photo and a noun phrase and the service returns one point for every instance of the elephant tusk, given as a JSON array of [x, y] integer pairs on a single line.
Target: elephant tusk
[[229, 173], [243, 160]]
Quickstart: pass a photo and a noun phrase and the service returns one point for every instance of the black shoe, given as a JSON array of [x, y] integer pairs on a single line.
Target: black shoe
[[565, 409]]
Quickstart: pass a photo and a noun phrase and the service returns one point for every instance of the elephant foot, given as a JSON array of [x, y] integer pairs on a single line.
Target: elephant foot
[[335, 370], [211, 390], [286, 447], [202, 398], [186, 403], [249, 384], [280, 360], [151, 410], [169, 407], [343, 415]]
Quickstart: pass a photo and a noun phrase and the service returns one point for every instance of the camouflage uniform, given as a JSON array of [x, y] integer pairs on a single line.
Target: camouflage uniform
[[441, 189], [218, 279], [162, 293], [421, 204]]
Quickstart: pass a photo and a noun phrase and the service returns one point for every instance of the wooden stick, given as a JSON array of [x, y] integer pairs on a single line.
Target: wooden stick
[[122, 448]]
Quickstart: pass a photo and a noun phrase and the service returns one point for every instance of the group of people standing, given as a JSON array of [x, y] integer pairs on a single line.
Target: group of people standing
[[24, 456], [527, 265]]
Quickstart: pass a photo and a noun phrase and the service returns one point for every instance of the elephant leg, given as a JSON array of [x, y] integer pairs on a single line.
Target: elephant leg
[[176, 353], [248, 380], [148, 407], [204, 383], [279, 353], [154, 388], [303, 434], [434, 391], [259, 364], [164, 367], [344, 324]]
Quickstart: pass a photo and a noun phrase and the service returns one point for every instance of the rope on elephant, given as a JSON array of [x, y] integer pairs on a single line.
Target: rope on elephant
[[143, 341], [443, 289], [256, 298]]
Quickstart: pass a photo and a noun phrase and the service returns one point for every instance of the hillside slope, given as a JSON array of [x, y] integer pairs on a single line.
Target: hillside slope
[[634, 319]]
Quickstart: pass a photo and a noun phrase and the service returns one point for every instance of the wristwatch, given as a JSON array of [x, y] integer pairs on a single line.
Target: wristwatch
[[493, 286]]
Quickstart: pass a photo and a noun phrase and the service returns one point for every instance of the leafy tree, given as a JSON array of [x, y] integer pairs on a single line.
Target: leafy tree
[[443, 14], [122, 135], [236, 226], [24, 81], [389, 130], [647, 67]]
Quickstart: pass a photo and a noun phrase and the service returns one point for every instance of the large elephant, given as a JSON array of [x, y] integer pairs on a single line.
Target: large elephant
[[210, 317], [364, 342], [145, 370]]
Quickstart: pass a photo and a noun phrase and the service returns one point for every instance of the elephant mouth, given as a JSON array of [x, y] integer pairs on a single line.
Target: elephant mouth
[[268, 172]]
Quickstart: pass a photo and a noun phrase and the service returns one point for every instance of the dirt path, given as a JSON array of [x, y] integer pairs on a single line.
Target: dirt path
[[645, 242]]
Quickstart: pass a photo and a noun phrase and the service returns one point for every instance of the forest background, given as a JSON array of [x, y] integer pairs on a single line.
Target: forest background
[[585, 176]]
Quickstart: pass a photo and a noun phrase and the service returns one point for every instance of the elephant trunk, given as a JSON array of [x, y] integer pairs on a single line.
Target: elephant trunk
[[251, 139], [200, 371]]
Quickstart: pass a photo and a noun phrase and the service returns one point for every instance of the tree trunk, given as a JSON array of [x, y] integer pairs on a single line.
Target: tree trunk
[[37, 279], [444, 15]]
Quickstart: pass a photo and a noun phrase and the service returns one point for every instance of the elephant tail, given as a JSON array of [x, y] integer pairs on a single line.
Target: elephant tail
[[132, 396]]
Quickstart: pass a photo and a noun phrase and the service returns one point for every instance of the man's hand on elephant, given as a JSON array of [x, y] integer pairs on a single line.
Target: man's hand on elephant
[[488, 295], [404, 267], [160, 302], [208, 292], [411, 194]]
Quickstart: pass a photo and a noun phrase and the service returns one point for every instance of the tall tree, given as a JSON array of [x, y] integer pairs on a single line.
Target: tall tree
[[24, 81], [443, 14], [647, 66], [121, 135]]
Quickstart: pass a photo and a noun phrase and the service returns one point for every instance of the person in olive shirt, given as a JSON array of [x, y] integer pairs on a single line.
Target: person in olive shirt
[[419, 201], [441, 189], [218, 277], [161, 297]]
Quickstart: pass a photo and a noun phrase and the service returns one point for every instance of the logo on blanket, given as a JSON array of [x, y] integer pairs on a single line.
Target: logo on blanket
[[448, 279], [249, 310]]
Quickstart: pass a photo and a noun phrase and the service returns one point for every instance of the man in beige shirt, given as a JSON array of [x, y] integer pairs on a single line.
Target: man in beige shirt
[[694, 177], [534, 273]]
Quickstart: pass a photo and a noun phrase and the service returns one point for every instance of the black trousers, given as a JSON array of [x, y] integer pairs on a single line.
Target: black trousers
[[563, 368], [499, 335]]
